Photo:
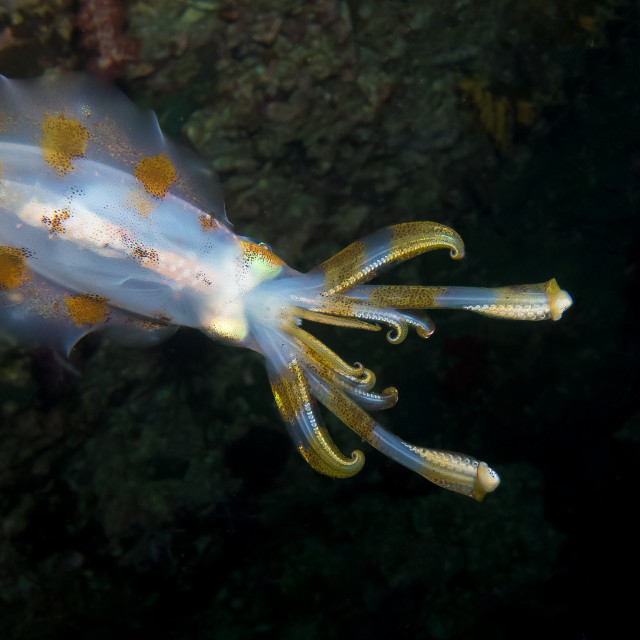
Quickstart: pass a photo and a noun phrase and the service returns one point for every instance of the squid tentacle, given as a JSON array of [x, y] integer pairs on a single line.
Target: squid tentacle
[[358, 392], [347, 307], [363, 260], [358, 373], [517, 302], [456, 472], [298, 409]]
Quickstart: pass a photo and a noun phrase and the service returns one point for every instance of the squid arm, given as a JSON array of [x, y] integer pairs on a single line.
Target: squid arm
[[302, 369]]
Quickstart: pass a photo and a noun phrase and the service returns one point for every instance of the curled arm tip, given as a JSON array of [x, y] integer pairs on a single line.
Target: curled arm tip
[[559, 299], [487, 480]]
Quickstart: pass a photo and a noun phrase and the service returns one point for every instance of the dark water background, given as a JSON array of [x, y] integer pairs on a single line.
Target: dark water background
[[156, 491]]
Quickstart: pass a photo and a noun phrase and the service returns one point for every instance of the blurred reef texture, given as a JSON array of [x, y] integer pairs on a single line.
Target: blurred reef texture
[[156, 490]]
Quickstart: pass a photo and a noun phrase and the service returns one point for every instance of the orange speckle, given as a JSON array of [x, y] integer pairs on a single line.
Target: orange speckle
[[55, 223], [156, 173], [14, 270], [259, 254], [141, 254], [87, 309], [62, 141], [162, 319], [141, 201], [145, 324], [207, 222]]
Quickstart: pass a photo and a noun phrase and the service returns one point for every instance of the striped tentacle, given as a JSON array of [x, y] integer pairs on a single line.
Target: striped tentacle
[[456, 472], [542, 301], [363, 260], [298, 409]]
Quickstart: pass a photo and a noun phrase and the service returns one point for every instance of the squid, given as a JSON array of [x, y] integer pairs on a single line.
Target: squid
[[108, 226]]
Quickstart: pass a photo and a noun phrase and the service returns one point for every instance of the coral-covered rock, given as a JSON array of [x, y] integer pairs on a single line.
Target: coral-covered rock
[[109, 50]]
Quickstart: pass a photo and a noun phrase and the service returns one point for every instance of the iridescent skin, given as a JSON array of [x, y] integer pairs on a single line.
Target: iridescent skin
[[105, 225]]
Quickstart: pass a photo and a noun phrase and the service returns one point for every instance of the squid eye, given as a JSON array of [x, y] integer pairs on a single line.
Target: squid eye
[[265, 245]]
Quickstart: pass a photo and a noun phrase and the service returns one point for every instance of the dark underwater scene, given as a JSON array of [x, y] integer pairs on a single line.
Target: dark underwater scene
[[157, 490]]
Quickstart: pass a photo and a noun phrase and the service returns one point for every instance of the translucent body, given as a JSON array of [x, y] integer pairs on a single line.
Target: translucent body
[[155, 246], [107, 226], [149, 265]]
